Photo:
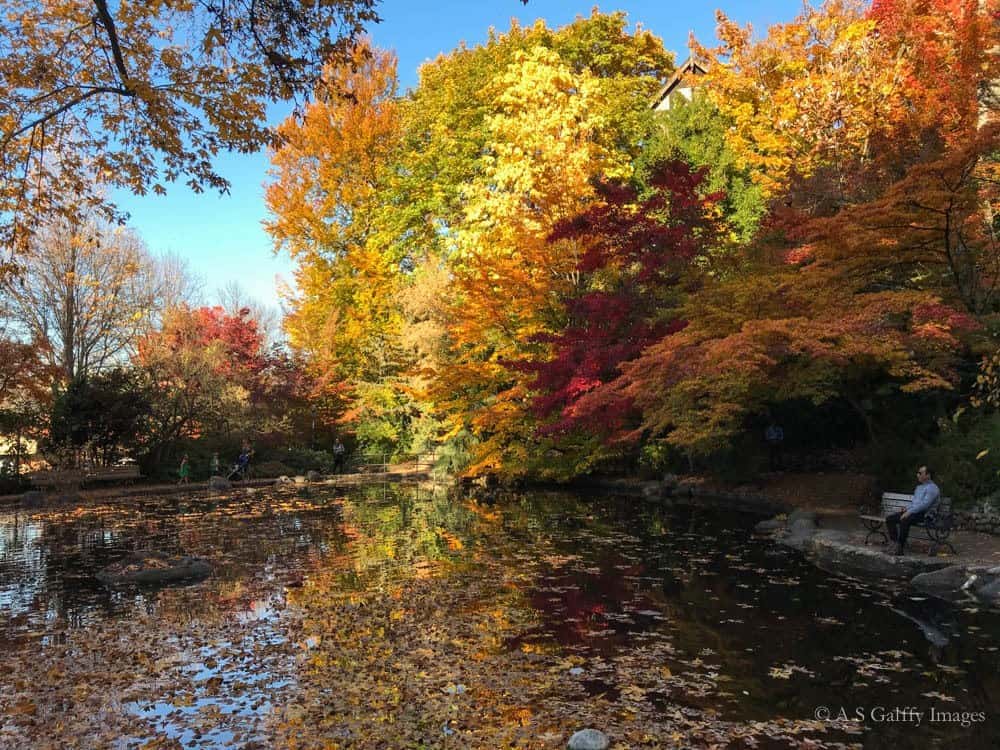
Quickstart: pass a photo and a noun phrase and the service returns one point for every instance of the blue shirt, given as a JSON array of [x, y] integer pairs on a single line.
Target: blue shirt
[[924, 497]]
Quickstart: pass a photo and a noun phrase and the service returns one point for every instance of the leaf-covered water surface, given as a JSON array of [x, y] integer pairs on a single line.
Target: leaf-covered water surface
[[399, 618]]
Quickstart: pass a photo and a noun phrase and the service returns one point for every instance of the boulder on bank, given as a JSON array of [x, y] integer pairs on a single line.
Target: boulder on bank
[[988, 592], [282, 480], [314, 476], [945, 583], [154, 567], [219, 483], [834, 552], [957, 582]]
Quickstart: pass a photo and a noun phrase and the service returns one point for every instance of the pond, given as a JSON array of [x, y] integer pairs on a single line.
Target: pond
[[397, 617]]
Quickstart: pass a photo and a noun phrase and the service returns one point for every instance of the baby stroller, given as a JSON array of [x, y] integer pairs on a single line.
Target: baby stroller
[[241, 469]]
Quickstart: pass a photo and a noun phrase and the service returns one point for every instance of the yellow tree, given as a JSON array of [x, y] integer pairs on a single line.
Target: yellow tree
[[542, 153], [808, 96], [331, 177]]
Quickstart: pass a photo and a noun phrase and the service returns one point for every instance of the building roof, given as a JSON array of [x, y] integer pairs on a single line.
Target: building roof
[[690, 67]]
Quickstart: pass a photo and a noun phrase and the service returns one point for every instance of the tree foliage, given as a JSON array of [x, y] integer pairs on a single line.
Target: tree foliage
[[137, 95], [501, 258], [106, 413], [635, 254]]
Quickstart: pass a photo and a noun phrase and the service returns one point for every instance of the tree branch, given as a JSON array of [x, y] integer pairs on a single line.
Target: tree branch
[[116, 51], [63, 108]]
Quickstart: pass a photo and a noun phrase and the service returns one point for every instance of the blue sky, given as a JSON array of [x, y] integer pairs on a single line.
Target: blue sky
[[222, 237]]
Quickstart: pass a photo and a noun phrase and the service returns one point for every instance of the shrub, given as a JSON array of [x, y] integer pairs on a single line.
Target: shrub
[[273, 469], [953, 457]]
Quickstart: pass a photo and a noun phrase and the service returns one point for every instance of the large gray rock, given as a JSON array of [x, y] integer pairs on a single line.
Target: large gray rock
[[988, 592], [769, 525], [282, 480], [219, 483], [300, 479], [835, 552], [314, 476], [589, 739], [801, 514], [958, 582], [800, 533], [945, 583]]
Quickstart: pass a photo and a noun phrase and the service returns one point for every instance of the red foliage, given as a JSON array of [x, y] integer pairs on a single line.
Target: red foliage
[[238, 336], [635, 248], [235, 340]]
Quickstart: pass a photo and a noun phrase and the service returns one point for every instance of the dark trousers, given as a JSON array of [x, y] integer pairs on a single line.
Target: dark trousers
[[900, 529]]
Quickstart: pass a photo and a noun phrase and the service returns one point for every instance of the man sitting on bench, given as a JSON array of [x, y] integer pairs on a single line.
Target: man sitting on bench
[[925, 497]]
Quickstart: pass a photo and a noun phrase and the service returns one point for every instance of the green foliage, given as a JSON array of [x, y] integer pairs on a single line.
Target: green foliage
[[966, 457], [294, 461], [273, 469], [455, 454], [695, 132], [383, 422], [107, 412]]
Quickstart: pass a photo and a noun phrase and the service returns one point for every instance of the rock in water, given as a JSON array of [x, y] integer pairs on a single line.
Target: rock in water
[[589, 739], [314, 476], [154, 567]]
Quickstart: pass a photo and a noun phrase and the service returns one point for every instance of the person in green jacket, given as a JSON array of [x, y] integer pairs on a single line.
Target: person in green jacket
[[184, 471]]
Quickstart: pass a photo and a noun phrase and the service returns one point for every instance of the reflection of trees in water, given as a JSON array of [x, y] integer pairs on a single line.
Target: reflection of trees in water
[[48, 560]]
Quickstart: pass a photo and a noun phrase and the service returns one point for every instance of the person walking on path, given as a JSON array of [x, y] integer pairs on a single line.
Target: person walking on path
[[242, 467], [774, 436], [184, 472], [214, 466], [925, 497], [338, 457]]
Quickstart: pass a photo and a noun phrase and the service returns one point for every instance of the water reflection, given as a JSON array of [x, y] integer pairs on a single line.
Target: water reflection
[[628, 603]]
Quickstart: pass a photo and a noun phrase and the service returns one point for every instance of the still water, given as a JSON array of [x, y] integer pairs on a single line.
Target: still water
[[513, 623]]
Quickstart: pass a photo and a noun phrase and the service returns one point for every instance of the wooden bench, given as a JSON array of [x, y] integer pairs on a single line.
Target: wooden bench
[[48, 480], [937, 522], [126, 474], [65, 478]]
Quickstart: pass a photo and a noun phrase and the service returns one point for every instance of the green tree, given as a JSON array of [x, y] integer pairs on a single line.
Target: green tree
[[105, 414], [695, 131]]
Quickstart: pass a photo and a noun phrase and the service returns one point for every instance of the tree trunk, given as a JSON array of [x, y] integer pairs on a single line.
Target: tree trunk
[[869, 427]]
